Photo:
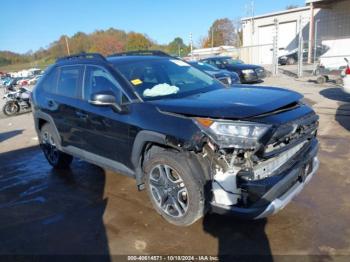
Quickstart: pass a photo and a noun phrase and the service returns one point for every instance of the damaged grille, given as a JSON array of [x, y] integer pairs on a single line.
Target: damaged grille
[[291, 134]]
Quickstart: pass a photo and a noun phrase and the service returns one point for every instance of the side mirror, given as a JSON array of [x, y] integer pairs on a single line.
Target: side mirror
[[105, 99], [346, 60]]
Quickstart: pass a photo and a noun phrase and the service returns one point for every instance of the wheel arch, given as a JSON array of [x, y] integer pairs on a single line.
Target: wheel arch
[[40, 119], [144, 143]]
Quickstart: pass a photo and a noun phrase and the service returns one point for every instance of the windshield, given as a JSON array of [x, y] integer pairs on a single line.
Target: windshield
[[231, 61], [204, 66], [165, 78]]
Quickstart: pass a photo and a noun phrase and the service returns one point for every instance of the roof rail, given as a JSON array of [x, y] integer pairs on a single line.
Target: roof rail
[[82, 56], [142, 53]]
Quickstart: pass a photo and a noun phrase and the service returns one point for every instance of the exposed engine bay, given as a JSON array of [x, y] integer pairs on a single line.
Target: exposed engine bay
[[235, 170]]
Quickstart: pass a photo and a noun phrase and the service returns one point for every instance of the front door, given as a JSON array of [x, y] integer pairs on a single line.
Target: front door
[[106, 132]]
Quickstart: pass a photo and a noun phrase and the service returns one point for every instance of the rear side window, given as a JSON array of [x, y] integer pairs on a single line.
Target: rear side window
[[69, 81], [49, 82]]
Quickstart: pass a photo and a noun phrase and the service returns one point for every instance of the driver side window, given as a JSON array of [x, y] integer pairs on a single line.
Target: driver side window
[[98, 80]]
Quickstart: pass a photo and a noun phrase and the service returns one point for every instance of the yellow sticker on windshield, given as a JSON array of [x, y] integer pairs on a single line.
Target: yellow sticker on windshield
[[136, 82]]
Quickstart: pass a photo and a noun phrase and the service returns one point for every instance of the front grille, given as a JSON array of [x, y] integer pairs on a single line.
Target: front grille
[[292, 133]]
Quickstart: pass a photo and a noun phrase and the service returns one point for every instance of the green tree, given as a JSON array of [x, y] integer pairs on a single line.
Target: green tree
[[177, 47], [80, 42], [137, 41], [221, 32]]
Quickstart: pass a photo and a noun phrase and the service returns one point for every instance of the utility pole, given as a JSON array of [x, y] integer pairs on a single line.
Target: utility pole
[[67, 45], [252, 10], [300, 48], [275, 48], [315, 43], [311, 33], [191, 45]]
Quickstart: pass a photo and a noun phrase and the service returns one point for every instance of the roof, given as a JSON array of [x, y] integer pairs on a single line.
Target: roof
[[299, 9], [113, 59]]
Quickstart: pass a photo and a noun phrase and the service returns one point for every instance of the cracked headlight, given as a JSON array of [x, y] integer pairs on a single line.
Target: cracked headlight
[[229, 134]]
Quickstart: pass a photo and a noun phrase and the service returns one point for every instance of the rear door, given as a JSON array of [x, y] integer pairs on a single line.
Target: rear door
[[64, 104]]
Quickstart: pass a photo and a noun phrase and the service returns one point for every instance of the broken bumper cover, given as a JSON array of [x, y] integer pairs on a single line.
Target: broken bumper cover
[[277, 197]]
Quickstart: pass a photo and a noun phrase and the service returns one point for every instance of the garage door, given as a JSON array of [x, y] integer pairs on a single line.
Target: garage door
[[288, 36], [287, 40], [265, 44]]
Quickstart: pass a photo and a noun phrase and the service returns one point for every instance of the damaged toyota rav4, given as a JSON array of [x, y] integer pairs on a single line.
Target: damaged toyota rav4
[[195, 145]]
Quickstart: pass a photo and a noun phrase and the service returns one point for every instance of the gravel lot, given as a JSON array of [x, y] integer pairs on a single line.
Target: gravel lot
[[91, 211]]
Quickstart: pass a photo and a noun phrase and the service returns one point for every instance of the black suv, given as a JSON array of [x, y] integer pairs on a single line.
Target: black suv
[[195, 145]]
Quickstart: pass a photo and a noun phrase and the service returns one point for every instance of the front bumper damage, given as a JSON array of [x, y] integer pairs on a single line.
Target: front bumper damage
[[273, 193]]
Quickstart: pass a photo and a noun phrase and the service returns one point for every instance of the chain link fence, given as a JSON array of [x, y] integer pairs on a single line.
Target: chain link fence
[[300, 49], [266, 53], [320, 53]]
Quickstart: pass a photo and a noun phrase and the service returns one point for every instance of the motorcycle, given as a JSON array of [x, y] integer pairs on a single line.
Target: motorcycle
[[17, 101]]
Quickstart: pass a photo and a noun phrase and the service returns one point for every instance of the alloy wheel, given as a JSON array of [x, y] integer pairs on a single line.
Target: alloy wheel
[[50, 148], [168, 190]]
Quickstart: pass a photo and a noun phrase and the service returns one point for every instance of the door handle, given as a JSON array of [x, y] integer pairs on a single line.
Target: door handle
[[81, 115]]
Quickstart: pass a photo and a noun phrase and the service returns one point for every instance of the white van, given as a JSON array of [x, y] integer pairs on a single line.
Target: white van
[[333, 59]]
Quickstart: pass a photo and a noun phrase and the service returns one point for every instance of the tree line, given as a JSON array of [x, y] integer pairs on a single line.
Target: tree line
[[107, 42]]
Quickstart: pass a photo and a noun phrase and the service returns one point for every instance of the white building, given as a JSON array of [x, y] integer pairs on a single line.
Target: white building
[[321, 19]]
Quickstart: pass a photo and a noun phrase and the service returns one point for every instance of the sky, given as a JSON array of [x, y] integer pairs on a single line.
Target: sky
[[30, 24]]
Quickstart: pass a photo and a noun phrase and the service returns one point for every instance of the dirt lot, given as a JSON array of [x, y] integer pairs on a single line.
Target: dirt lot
[[91, 211]]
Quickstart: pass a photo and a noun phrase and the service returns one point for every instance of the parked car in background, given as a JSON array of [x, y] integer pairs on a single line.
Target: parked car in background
[[226, 77], [34, 80], [247, 73], [23, 82], [193, 144], [9, 83], [291, 57]]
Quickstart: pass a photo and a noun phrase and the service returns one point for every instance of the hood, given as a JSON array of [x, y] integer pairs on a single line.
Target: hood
[[231, 103]]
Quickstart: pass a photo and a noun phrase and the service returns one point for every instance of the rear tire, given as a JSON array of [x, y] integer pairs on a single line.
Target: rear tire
[[11, 108], [48, 142], [339, 81], [321, 80], [175, 185]]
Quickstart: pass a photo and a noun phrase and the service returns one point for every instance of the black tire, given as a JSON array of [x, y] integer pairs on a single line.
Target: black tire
[[193, 181], [339, 81], [291, 61], [48, 143], [11, 108]]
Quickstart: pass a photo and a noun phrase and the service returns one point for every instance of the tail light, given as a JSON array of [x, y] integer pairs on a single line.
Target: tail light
[[347, 71]]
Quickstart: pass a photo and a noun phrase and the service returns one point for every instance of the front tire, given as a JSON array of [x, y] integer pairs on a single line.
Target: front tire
[[48, 143], [175, 187], [11, 108]]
